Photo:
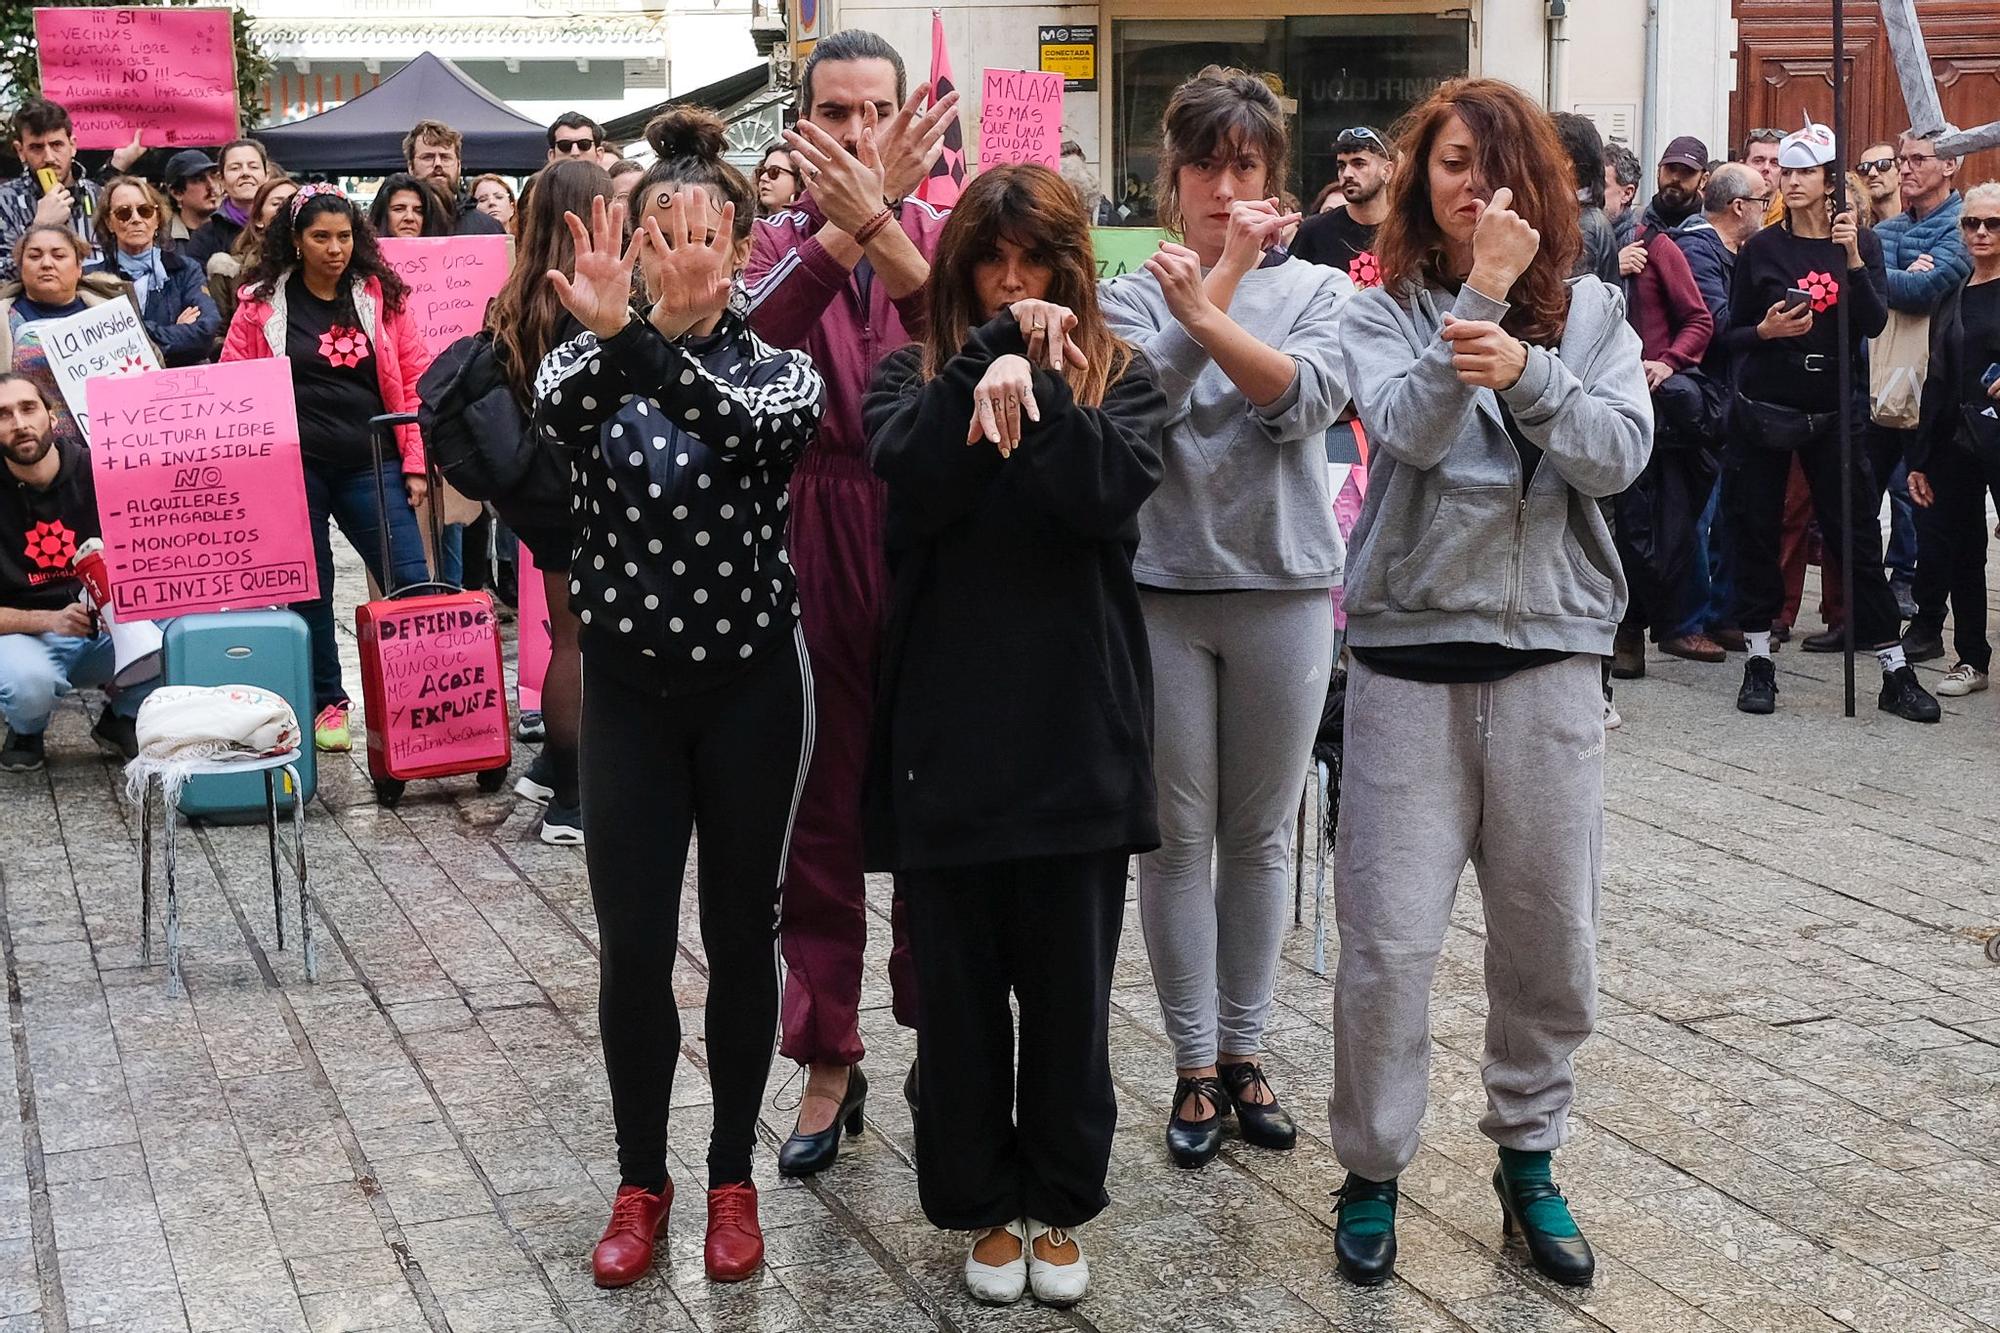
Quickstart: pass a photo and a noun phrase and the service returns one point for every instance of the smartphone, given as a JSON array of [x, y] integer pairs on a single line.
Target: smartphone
[[1992, 373], [48, 177], [1795, 297]]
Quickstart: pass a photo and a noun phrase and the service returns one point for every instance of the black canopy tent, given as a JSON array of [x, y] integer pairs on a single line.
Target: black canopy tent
[[365, 136]]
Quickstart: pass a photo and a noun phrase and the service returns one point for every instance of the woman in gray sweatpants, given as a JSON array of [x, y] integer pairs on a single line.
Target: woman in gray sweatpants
[[1502, 402], [1237, 554]]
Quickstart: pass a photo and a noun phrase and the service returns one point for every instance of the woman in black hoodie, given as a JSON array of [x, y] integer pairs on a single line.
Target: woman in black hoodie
[[697, 697], [1011, 769]]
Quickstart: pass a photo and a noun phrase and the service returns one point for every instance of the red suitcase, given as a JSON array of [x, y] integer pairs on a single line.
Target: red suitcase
[[433, 684]]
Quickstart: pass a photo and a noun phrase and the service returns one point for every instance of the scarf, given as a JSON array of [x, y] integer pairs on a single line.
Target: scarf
[[146, 271], [235, 212]]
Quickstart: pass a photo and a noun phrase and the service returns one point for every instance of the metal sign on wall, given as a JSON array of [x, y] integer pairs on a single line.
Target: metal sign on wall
[[1070, 51]]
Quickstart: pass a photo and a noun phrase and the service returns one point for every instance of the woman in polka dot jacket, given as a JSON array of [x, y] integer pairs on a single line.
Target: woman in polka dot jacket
[[697, 694]]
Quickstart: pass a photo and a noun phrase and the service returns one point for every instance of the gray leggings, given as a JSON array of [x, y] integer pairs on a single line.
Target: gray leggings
[[1239, 680]]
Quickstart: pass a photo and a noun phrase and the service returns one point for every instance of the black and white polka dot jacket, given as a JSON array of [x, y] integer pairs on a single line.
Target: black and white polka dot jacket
[[680, 453]]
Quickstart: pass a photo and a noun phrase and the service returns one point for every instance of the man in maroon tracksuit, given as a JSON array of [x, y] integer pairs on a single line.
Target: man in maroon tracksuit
[[841, 275]]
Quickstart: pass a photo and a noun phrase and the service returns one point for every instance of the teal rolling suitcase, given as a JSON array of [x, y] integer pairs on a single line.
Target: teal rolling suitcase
[[269, 649]]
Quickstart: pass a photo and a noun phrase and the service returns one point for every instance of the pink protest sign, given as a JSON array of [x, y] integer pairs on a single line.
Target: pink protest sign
[[442, 702], [168, 73], [532, 629], [451, 279], [1020, 117], [200, 489]]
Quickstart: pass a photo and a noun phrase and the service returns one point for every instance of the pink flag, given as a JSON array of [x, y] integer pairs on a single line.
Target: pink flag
[[947, 178]]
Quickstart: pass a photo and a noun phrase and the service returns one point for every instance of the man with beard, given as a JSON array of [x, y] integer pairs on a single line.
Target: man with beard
[[1621, 189], [1683, 171], [433, 151], [1877, 169], [50, 643], [1344, 236]]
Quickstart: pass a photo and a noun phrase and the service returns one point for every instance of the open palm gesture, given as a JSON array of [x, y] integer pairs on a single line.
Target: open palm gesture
[[600, 293], [687, 260]]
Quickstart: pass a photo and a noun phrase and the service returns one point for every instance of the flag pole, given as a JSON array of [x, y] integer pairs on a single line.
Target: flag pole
[[1845, 385]]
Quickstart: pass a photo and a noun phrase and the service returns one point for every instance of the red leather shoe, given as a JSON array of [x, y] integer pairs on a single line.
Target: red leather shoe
[[625, 1251], [735, 1246]]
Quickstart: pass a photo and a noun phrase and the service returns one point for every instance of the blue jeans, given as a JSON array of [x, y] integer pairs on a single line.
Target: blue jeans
[[348, 498], [38, 669]]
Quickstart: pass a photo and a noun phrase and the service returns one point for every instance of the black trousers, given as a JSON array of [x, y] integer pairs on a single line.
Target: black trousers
[[989, 1151], [1754, 489], [728, 761], [1951, 535]]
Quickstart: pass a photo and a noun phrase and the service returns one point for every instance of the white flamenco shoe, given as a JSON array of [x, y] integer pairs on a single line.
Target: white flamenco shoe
[[1056, 1284], [1000, 1284]]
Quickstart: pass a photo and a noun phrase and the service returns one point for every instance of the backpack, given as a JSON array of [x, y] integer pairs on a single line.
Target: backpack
[[476, 434]]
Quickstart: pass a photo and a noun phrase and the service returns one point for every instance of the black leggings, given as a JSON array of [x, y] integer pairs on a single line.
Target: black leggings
[[1951, 534], [1754, 491], [993, 1146], [729, 760]]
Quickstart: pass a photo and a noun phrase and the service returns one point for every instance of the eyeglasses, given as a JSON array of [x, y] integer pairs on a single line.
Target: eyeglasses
[[1968, 225], [1760, 201], [1914, 160], [1876, 166], [573, 147], [126, 212], [771, 171]]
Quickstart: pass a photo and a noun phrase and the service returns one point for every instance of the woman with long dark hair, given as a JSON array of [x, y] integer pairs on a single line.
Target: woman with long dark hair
[[1503, 401], [406, 207], [1237, 558], [1016, 441], [682, 426], [322, 295], [1787, 407], [528, 322]]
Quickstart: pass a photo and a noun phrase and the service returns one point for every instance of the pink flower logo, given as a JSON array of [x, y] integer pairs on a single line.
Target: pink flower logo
[[1364, 270], [1825, 291], [343, 346]]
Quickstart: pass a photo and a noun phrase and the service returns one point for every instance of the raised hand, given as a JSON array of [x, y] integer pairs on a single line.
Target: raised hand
[[1178, 270], [1847, 236], [1003, 393], [1503, 245], [1045, 327], [600, 293], [847, 190], [912, 139], [688, 264], [1255, 225]]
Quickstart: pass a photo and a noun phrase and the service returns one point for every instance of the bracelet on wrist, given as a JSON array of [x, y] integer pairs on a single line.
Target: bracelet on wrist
[[873, 226]]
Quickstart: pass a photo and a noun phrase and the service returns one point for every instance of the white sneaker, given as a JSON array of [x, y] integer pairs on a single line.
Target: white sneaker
[[1961, 680], [1611, 719], [1002, 1284], [1056, 1284]]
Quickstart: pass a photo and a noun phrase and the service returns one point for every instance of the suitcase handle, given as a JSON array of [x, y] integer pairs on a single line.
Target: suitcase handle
[[381, 428]]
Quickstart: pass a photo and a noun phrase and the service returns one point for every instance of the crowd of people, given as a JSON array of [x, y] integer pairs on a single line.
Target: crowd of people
[[880, 536]]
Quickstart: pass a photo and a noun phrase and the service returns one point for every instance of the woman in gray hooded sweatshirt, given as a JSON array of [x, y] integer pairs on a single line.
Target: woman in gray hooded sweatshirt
[[1503, 401], [1237, 556]]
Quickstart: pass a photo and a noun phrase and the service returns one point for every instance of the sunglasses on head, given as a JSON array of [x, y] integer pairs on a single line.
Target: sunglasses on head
[[126, 212], [1968, 225], [1876, 166], [575, 146], [1359, 134]]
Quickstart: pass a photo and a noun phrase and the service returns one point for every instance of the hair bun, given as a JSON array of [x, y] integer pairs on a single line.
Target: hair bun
[[686, 131]]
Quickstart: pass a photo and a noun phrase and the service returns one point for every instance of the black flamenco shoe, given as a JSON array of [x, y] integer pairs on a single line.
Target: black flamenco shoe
[[1364, 1240], [1564, 1259], [1266, 1124], [1194, 1143], [809, 1154]]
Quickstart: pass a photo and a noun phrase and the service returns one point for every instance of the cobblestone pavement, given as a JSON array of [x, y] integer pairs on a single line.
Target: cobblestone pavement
[[1789, 1117]]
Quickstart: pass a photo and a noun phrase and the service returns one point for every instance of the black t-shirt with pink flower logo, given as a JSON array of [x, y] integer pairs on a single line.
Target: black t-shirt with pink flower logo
[[1804, 372], [333, 378], [1338, 241], [41, 529]]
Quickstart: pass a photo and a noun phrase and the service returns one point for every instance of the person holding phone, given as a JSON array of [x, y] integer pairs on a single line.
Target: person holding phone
[[1790, 280], [1955, 455]]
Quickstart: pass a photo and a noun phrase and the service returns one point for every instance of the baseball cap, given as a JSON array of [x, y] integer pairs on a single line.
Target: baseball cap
[[1686, 151], [188, 162], [1809, 147]]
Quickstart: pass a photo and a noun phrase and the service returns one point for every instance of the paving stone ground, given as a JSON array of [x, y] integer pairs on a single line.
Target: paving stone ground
[[1788, 1121]]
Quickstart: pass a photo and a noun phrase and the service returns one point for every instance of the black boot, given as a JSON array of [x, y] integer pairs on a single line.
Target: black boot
[[1759, 693], [1904, 696], [1558, 1257], [808, 1154], [1194, 1143], [1266, 1124], [1364, 1249]]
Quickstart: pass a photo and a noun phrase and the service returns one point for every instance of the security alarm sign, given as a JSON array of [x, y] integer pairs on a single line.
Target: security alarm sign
[[1071, 52]]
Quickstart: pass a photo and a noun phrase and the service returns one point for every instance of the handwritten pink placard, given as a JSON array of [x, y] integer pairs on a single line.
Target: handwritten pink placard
[[168, 73], [532, 629], [445, 700], [451, 279], [200, 489], [1020, 117]]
